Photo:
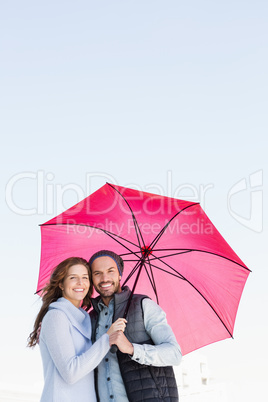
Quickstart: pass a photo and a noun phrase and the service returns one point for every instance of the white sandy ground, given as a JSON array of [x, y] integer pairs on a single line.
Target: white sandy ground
[[213, 391]]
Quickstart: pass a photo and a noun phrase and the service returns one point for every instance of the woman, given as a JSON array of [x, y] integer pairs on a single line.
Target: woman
[[68, 355]]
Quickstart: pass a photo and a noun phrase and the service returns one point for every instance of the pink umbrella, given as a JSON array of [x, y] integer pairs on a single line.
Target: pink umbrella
[[172, 253]]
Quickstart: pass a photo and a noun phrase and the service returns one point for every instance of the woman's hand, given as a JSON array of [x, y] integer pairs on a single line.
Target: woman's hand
[[118, 325]]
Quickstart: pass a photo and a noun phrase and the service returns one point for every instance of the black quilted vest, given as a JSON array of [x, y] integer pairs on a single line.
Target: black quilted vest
[[142, 382]]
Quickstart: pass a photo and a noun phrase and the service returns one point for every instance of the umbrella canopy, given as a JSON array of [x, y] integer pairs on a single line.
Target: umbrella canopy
[[172, 252]]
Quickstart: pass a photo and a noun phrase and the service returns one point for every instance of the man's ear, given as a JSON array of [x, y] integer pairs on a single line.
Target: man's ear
[[120, 277]]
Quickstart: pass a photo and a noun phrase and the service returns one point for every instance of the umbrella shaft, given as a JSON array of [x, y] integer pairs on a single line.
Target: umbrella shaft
[[133, 289]]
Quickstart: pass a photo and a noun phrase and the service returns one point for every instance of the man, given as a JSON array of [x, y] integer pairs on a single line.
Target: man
[[141, 370]]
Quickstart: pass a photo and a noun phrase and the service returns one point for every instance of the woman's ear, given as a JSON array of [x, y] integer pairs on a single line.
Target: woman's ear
[[61, 286]]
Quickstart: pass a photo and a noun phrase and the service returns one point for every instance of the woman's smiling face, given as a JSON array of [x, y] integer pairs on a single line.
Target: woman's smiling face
[[75, 284]]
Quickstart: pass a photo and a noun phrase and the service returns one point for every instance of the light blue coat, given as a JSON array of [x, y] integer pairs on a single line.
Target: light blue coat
[[68, 355]]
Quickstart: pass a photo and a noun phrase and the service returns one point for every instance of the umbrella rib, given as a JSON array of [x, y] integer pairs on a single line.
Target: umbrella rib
[[168, 255], [152, 280], [134, 269], [111, 234], [137, 229], [183, 251], [199, 251], [198, 291], [156, 239], [177, 275]]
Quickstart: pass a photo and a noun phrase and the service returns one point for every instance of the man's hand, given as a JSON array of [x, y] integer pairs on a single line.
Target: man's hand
[[123, 344]]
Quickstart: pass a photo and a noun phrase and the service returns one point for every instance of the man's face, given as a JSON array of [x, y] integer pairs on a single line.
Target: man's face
[[105, 278]]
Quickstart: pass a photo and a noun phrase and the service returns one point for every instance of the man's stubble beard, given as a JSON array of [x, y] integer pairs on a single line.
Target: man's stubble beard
[[109, 295]]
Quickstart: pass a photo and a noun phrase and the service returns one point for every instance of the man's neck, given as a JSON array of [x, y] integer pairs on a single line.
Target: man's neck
[[106, 300]]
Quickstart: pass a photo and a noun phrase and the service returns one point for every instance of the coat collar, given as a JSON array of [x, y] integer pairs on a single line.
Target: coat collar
[[119, 298], [78, 317]]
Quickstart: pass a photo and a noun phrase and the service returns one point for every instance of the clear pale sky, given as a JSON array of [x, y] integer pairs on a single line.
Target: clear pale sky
[[166, 96]]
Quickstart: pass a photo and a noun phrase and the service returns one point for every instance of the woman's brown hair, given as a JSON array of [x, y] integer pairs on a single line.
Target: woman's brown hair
[[52, 292]]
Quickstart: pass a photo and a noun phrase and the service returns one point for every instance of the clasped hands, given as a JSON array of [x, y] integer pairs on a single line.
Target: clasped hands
[[117, 337]]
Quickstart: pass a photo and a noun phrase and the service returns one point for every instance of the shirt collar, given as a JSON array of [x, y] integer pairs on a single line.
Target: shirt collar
[[102, 306]]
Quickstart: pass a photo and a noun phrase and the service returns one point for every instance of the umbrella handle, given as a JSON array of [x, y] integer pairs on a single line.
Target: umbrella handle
[[113, 349]]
